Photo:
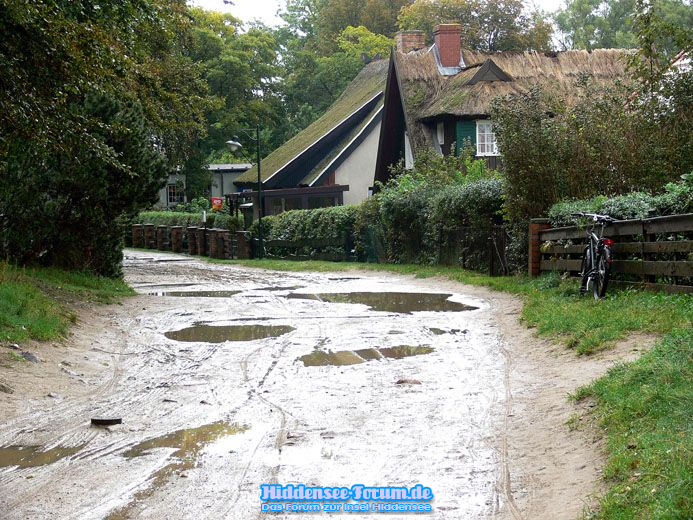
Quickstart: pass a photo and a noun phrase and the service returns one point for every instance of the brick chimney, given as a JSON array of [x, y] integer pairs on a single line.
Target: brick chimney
[[408, 41], [447, 40]]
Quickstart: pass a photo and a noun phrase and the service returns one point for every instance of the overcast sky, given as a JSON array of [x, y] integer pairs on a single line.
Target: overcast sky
[[266, 10]]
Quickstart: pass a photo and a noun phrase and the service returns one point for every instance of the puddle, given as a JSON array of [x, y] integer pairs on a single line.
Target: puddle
[[320, 358], [188, 444], [323, 359], [288, 288], [404, 303], [369, 354], [195, 294], [440, 332], [34, 456], [404, 351], [219, 334]]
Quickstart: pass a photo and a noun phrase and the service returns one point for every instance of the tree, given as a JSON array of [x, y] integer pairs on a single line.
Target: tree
[[592, 24], [378, 16], [98, 103], [487, 25]]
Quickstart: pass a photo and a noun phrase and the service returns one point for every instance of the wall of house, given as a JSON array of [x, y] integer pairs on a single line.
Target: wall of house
[[358, 170], [178, 180], [222, 183]]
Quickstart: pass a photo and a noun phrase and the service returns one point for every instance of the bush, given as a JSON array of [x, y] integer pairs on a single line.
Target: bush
[[174, 218], [460, 221], [332, 223], [554, 152], [676, 199]]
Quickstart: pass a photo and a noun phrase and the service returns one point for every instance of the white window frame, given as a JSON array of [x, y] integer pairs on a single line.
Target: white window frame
[[486, 145]]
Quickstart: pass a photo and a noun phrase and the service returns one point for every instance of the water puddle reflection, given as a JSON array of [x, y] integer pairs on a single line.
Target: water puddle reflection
[[219, 334], [321, 358], [400, 302], [195, 294], [188, 444], [34, 456]]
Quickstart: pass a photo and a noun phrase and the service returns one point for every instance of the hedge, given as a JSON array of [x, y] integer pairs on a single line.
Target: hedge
[[409, 223], [677, 198], [174, 218]]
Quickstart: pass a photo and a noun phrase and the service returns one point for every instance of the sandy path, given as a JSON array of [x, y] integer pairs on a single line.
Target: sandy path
[[206, 423]]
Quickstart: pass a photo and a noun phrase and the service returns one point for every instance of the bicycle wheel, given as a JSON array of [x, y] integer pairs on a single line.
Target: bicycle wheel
[[585, 269], [601, 275]]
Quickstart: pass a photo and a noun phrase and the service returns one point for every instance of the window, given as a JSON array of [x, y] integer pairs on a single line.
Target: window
[[485, 139], [440, 133], [174, 194]]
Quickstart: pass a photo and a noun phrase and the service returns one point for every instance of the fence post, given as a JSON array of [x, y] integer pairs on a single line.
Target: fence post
[[177, 239], [213, 243], [242, 245], [536, 225], [162, 238], [202, 243], [137, 235], [150, 236], [192, 240]]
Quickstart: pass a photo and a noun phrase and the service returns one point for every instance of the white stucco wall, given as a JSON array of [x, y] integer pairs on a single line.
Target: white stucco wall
[[224, 179], [358, 170], [163, 192]]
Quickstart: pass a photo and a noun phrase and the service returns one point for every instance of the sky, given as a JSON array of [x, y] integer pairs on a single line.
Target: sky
[[266, 10]]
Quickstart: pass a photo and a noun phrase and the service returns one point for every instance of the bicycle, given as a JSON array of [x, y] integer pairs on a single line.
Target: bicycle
[[596, 257]]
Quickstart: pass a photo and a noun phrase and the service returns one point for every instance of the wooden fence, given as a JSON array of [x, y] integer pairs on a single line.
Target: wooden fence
[[655, 253], [215, 243]]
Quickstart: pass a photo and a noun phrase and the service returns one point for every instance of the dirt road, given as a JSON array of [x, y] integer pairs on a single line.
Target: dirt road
[[227, 378]]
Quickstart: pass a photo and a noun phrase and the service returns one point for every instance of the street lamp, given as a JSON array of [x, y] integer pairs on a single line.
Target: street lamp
[[234, 145]]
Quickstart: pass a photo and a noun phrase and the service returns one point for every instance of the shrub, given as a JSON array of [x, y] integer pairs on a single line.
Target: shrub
[[332, 223], [677, 198], [174, 218]]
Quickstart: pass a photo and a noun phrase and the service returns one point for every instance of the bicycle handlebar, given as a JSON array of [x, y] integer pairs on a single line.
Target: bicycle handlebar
[[594, 216]]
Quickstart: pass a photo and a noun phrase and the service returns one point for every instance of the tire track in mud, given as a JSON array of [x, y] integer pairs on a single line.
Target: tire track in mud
[[115, 394], [280, 437]]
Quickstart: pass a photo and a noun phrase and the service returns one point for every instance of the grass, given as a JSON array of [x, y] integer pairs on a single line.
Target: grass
[[551, 305], [646, 409], [35, 303]]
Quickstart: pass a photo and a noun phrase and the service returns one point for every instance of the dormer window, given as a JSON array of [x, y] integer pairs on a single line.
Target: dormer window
[[485, 139]]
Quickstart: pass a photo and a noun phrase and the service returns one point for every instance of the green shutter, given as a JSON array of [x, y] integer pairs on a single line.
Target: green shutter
[[464, 130]]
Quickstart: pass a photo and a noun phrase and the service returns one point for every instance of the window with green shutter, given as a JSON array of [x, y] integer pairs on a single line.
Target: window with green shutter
[[464, 130]]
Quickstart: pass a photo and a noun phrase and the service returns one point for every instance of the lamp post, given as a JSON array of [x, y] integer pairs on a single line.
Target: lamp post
[[235, 145]]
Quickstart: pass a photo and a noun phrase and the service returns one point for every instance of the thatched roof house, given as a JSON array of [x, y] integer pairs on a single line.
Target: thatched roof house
[[332, 161], [438, 96]]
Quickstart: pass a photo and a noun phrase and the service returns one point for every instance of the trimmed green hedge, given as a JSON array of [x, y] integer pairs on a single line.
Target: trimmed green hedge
[[174, 218], [410, 222]]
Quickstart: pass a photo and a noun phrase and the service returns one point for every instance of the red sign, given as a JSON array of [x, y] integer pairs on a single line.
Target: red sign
[[217, 203]]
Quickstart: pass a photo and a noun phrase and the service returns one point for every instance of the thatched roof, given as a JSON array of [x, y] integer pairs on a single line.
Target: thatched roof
[[362, 90], [429, 94]]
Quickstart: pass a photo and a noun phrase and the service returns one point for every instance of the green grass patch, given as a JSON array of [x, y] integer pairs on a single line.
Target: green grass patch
[[552, 306], [34, 302], [646, 408]]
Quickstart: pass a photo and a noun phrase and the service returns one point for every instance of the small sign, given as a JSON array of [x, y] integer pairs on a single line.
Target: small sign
[[217, 203]]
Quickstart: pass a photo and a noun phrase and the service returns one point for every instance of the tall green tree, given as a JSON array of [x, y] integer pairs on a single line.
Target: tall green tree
[[592, 24], [487, 25], [240, 68], [99, 102]]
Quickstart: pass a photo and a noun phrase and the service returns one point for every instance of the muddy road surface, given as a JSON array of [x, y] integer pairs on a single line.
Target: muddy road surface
[[226, 378]]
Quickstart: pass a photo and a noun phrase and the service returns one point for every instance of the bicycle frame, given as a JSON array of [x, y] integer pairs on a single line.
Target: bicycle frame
[[597, 258]]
